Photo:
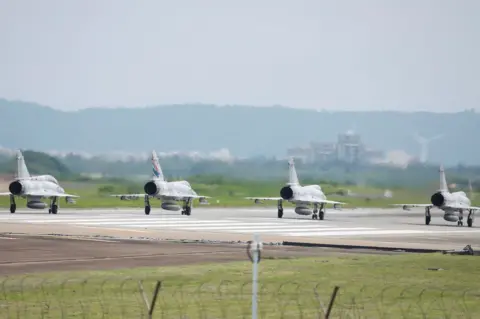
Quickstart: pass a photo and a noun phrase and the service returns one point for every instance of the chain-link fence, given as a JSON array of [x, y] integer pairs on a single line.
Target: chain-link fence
[[118, 297]]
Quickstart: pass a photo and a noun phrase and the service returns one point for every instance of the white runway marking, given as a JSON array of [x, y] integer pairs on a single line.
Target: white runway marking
[[320, 232], [353, 232], [293, 227]]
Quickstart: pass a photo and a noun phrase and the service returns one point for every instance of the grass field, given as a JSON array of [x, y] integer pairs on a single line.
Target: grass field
[[397, 286], [225, 195]]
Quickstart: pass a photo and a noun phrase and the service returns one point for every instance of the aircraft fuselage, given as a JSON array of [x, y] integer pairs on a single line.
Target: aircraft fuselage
[[36, 184], [302, 196], [170, 193], [176, 190], [444, 201]]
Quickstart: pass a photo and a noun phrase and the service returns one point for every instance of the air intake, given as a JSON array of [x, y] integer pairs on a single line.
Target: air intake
[[437, 199], [150, 188], [15, 188], [286, 193]]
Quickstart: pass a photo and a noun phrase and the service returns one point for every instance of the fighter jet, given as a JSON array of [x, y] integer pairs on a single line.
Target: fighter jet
[[452, 204], [35, 188], [168, 192], [301, 196]]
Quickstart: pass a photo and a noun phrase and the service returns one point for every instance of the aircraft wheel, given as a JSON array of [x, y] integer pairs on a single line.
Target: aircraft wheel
[[147, 210], [470, 222], [460, 223], [280, 213], [427, 220], [321, 215], [54, 209], [188, 211], [13, 208]]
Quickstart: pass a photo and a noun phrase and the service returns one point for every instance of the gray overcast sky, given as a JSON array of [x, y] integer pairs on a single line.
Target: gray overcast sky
[[342, 54]]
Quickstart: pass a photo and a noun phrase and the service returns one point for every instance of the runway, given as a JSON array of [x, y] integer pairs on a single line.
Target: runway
[[377, 227]]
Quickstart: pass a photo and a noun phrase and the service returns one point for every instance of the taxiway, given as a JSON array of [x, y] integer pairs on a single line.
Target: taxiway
[[31, 254], [367, 227]]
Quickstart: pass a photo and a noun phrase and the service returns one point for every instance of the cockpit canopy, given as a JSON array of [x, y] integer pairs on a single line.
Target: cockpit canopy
[[462, 193], [49, 178]]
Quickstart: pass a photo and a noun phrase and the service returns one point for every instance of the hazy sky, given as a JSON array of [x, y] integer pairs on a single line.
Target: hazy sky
[[337, 54]]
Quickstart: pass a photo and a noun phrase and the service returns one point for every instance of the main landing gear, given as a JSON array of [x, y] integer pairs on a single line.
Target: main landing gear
[[470, 218], [187, 208], [53, 206], [321, 213], [147, 205], [280, 209], [428, 217], [53, 209], [13, 206]]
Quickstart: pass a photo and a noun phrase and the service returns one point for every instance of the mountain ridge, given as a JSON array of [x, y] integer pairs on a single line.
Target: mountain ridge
[[244, 130]]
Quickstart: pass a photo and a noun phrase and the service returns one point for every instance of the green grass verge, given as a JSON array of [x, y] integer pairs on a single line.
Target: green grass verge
[[225, 195], [399, 286]]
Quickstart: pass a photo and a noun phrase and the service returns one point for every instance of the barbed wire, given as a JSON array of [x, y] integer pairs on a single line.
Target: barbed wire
[[127, 297]]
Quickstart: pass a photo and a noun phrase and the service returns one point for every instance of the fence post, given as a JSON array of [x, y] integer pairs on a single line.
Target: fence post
[[254, 253], [332, 300], [150, 305]]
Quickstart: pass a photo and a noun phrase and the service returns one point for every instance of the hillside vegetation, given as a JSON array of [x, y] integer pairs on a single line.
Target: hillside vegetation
[[245, 131], [38, 163], [253, 171]]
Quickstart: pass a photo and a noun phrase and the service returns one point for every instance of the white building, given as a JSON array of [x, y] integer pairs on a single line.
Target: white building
[[349, 147]]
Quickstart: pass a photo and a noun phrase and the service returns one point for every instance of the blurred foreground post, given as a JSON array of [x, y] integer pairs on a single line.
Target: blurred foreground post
[[332, 300], [150, 305], [254, 253]]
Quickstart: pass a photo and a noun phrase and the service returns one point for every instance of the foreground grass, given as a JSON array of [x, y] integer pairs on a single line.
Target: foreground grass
[[229, 195], [398, 286]]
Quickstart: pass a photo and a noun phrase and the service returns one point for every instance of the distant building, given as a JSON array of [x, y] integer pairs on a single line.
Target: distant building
[[349, 148], [323, 152]]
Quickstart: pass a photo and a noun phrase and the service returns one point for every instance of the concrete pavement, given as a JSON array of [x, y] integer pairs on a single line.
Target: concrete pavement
[[367, 226]]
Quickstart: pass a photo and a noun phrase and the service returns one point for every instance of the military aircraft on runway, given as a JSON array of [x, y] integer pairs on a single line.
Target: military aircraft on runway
[[301, 196], [453, 204], [168, 192], [35, 188]]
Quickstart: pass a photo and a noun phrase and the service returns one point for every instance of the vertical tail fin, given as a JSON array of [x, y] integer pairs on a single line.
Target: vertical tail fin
[[292, 173], [157, 169], [22, 170], [443, 180]]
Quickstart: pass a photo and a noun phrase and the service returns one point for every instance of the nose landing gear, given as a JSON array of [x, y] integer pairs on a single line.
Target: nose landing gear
[[53, 206], [321, 212], [187, 208]]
